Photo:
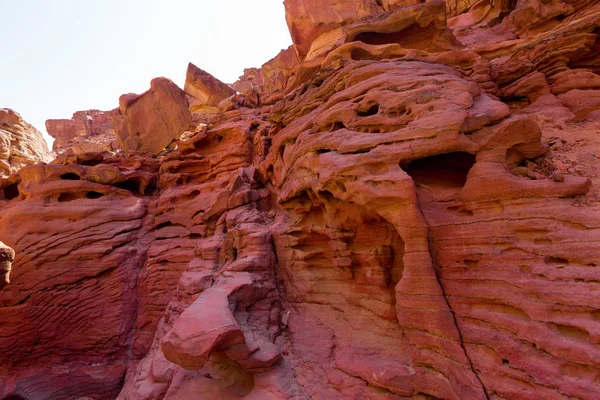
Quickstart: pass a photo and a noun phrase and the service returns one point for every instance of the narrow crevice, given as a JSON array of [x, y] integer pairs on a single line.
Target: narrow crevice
[[431, 249], [142, 260]]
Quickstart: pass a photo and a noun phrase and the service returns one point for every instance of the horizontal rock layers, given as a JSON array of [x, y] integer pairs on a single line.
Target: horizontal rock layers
[[87, 131], [20, 143], [396, 213]]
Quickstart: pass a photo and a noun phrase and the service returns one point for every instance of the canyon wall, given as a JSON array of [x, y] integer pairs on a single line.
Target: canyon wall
[[404, 204], [20, 143]]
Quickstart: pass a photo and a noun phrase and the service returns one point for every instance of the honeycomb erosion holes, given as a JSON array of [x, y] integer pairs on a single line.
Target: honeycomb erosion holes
[[403, 204]]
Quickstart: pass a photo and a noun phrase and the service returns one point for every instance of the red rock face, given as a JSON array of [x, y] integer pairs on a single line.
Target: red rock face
[[204, 87], [20, 143], [87, 131], [151, 121], [273, 76], [204, 92], [408, 216]]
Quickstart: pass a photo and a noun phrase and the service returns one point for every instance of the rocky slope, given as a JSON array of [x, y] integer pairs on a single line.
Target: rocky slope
[[404, 204], [20, 143]]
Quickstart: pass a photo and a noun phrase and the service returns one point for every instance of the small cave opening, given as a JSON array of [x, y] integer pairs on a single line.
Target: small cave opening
[[446, 173], [67, 196], [94, 195], [70, 176], [412, 37], [92, 162], [130, 185], [14, 397], [372, 110], [11, 191]]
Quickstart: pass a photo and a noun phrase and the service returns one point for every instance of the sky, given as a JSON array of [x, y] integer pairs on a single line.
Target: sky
[[62, 56]]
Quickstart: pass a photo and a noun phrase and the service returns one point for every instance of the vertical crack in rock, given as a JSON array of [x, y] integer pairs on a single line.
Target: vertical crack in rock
[[432, 252]]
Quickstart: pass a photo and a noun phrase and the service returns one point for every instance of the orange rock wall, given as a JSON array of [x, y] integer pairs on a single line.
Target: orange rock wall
[[409, 213]]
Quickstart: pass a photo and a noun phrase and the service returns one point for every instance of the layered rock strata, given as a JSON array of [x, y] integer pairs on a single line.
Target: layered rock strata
[[205, 92], [403, 215], [86, 131], [20, 143]]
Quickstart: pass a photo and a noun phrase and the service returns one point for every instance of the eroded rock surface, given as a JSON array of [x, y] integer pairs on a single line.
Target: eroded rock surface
[[205, 92], [20, 143], [87, 131], [149, 122], [399, 213]]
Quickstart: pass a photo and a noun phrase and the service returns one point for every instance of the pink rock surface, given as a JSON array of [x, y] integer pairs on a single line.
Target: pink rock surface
[[407, 213]]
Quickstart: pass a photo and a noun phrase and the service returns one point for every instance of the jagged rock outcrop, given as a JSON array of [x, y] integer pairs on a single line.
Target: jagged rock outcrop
[[87, 131], [403, 214], [272, 77], [149, 122], [205, 92], [204, 87], [20, 143]]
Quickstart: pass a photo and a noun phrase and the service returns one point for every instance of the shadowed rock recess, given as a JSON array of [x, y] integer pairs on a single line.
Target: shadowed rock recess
[[403, 204]]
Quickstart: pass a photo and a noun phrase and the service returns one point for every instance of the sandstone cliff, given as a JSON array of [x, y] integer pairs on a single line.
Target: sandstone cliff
[[20, 143], [86, 131], [403, 205]]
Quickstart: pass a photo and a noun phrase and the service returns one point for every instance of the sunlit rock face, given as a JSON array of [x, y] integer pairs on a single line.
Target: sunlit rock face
[[86, 131], [401, 212], [20, 143], [149, 122]]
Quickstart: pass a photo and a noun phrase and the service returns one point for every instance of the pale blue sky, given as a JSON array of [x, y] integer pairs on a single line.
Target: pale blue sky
[[62, 56]]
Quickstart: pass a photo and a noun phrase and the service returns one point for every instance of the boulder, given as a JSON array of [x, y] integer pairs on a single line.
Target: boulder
[[204, 87], [149, 122]]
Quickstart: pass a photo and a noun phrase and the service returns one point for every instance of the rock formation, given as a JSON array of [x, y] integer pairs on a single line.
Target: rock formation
[[205, 92], [87, 131], [20, 143], [149, 122], [408, 208]]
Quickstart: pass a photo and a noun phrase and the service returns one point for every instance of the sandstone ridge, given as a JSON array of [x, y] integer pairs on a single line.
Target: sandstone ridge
[[403, 204]]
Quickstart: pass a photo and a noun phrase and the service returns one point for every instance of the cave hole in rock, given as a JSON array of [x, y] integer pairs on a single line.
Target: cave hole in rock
[[14, 397], [11, 191], [70, 176], [92, 162], [67, 196], [413, 37], [442, 173], [130, 185], [372, 110], [94, 195]]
